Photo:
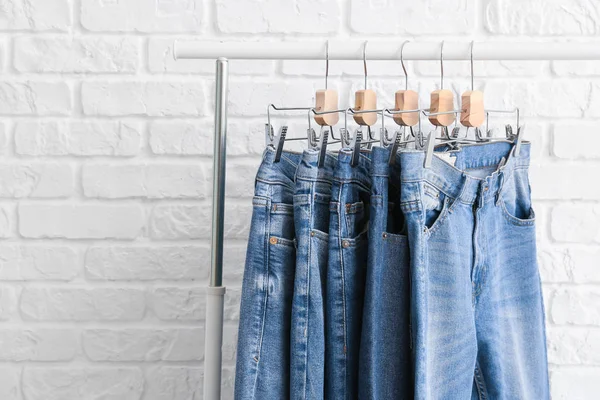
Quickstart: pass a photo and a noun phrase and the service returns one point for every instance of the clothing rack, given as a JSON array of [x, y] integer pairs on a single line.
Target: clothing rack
[[317, 50]]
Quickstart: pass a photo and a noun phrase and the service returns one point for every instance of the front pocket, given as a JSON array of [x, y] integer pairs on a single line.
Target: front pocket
[[356, 218], [435, 203], [515, 199], [528, 217]]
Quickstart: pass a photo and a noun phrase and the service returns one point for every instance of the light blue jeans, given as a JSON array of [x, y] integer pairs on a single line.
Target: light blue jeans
[[385, 370], [311, 218], [263, 352], [476, 300]]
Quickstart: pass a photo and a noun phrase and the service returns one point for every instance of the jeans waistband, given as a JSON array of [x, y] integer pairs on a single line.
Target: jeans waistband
[[309, 170], [455, 180], [346, 173], [281, 172]]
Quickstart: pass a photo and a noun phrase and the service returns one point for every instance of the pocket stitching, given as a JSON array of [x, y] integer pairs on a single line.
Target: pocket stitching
[[446, 208], [514, 220], [281, 241]]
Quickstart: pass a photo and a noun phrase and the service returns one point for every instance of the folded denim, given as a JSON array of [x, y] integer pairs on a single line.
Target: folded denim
[[477, 315]]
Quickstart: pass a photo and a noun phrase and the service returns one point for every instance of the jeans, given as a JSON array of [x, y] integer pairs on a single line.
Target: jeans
[[385, 370], [346, 269], [476, 300], [311, 219], [263, 352]]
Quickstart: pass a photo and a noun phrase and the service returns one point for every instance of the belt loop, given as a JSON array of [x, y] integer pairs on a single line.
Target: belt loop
[[499, 193]]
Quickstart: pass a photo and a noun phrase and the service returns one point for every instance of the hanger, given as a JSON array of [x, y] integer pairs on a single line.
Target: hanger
[[406, 113], [472, 112], [441, 110], [326, 99], [322, 140], [365, 100], [276, 141], [406, 100]]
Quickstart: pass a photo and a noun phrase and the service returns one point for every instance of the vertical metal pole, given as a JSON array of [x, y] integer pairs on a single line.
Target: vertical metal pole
[[215, 292]]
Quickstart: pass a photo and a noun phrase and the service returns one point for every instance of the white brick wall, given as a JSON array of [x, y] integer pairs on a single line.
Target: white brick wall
[[105, 174]]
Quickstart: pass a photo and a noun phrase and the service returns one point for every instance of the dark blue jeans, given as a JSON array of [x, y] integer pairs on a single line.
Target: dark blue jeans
[[311, 218], [385, 370], [346, 269], [263, 352]]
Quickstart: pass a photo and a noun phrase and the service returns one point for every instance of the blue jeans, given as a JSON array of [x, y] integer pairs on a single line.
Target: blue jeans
[[385, 370], [311, 218], [476, 299], [263, 352], [346, 269]]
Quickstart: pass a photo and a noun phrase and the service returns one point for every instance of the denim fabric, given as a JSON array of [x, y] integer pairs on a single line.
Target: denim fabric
[[311, 219], [263, 352], [476, 300], [385, 370], [346, 268]]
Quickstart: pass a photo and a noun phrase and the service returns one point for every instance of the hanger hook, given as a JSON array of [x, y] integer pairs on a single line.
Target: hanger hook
[[365, 61], [403, 66], [472, 74], [326, 62], [442, 65]]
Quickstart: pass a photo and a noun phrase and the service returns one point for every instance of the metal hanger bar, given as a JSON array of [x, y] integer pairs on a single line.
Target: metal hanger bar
[[353, 50]]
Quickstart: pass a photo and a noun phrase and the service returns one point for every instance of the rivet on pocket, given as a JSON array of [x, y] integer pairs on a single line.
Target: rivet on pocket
[[345, 244], [273, 240], [385, 235]]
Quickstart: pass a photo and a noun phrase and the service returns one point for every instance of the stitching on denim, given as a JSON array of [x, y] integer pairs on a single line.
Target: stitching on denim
[[409, 206], [376, 200], [353, 242], [267, 254], [480, 383], [306, 305], [340, 217], [283, 241], [322, 198], [281, 209], [355, 208], [362, 184], [514, 220], [283, 155], [288, 185], [442, 217], [259, 201]]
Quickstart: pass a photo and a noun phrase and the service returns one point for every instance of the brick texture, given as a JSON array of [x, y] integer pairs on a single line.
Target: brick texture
[[105, 177]]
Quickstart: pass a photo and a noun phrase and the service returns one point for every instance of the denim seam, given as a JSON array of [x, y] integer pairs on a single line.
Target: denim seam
[[289, 160], [446, 210], [267, 252], [514, 220], [360, 183], [480, 383], [276, 182], [306, 306], [410, 206], [340, 218]]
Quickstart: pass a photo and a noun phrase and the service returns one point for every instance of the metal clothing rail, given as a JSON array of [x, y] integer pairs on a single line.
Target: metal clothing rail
[[315, 50], [353, 50]]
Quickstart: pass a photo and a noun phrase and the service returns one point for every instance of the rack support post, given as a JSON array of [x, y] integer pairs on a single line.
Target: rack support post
[[215, 293]]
